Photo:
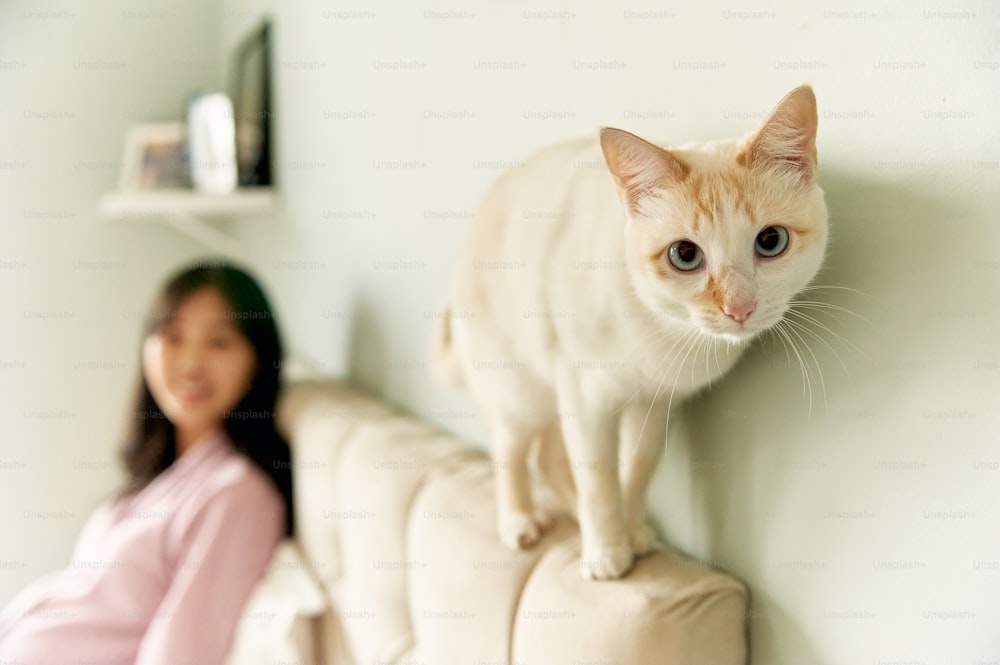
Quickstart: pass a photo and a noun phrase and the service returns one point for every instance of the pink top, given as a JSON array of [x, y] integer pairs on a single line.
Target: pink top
[[159, 578]]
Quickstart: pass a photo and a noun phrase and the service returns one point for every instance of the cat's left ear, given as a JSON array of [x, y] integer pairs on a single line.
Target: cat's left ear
[[787, 139], [639, 168]]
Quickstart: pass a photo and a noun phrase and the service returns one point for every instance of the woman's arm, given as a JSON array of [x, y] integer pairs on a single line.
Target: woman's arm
[[224, 552]]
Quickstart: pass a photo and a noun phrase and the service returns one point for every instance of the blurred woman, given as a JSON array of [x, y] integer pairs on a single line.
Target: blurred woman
[[161, 572]]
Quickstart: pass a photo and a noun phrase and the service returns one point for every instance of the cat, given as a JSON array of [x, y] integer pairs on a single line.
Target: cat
[[584, 305]]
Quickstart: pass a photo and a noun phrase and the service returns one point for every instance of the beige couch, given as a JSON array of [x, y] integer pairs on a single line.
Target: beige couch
[[397, 562]]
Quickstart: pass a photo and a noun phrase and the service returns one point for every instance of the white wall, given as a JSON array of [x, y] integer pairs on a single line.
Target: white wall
[[866, 529], [73, 77]]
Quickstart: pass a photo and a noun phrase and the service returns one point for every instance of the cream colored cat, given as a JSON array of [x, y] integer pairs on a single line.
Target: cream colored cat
[[584, 304]]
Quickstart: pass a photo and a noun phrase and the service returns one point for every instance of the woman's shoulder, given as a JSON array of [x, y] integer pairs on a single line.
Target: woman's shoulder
[[220, 474], [214, 492], [229, 489], [236, 475]]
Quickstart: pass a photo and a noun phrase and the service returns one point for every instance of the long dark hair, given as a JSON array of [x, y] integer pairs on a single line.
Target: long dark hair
[[150, 445]]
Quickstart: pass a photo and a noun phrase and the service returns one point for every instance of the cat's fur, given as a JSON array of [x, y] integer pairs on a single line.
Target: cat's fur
[[570, 326]]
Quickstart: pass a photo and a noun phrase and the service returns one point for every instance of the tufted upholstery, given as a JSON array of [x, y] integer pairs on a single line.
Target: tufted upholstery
[[397, 520]]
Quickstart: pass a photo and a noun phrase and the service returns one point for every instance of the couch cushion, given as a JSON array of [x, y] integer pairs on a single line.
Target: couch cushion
[[318, 417], [669, 610], [466, 591], [279, 621], [383, 465], [399, 520]]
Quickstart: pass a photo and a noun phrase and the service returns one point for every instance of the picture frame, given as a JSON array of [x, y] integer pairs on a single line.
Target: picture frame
[[252, 107], [155, 157]]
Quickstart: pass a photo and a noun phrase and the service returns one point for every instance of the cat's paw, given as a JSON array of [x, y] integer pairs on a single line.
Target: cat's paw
[[520, 531], [643, 539], [545, 517], [606, 563]]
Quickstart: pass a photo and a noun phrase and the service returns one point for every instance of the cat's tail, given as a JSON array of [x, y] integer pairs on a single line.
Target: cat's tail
[[446, 368]]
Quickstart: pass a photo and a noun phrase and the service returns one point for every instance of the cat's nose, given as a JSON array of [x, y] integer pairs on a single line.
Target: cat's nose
[[739, 311]]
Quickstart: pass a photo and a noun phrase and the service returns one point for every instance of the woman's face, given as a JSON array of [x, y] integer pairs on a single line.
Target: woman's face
[[198, 366]]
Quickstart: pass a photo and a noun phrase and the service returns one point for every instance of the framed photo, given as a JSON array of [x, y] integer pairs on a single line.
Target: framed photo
[[252, 109], [155, 157]]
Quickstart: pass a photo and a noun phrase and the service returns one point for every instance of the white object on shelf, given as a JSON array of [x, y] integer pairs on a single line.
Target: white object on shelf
[[212, 143], [186, 210]]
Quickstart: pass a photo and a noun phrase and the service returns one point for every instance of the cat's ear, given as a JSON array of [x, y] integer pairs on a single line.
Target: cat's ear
[[639, 167], [787, 139]]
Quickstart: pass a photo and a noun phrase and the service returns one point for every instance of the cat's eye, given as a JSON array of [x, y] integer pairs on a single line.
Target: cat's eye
[[771, 242], [685, 255]]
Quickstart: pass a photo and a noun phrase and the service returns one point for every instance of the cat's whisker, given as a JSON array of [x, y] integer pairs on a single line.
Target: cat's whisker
[[819, 305], [711, 346], [809, 318], [645, 382], [776, 332], [650, 339], [797, 326], [793, 329], [690, 340], [797, 344], [806, 381], [660, 334], [709, 343], [697, 352], [685, 339], [817, 336], [815, 312], [804, 368], [806, 318], [809, 311], [673, 388], [833, 287], [715, 348]]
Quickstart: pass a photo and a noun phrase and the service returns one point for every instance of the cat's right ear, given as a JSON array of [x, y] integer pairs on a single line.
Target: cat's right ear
[[786, 141], [639, 168]]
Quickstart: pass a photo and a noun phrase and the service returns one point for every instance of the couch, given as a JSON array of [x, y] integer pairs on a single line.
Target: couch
[[396, 561]]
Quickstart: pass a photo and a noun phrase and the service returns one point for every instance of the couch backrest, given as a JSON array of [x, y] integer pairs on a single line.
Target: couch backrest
[[398, 520]]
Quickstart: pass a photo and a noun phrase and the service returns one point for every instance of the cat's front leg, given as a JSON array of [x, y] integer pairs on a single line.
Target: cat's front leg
[[590, 430], [643, 437], [519, 524]]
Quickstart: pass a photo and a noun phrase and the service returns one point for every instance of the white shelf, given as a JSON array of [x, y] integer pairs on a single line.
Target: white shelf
[[189, 211], [158, 204]]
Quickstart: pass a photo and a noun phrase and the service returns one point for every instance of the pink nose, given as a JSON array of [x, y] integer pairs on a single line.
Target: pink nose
[[739, 312]]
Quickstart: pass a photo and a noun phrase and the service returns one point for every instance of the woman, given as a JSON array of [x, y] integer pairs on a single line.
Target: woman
[[161, 572]]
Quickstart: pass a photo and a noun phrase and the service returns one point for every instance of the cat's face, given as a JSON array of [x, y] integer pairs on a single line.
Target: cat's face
[[722, 237]]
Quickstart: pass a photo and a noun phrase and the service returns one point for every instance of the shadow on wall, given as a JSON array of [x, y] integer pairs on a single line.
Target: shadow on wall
[[749, 445], [368, 366], [741, 449]]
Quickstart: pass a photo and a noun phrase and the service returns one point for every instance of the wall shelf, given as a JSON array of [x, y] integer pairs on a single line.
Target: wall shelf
[[190, 212]]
